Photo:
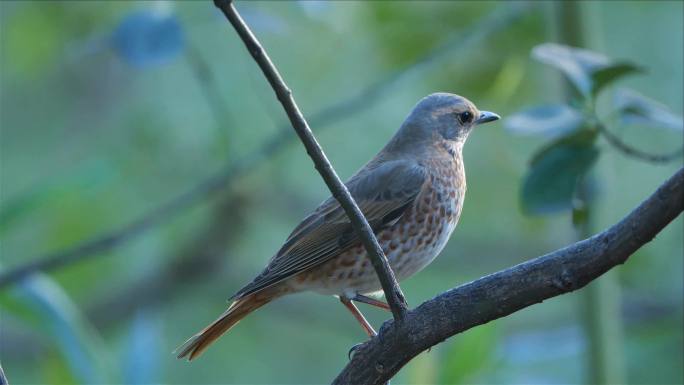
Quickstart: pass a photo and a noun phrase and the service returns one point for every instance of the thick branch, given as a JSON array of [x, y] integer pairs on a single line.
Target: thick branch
[[500, 294], [101, 244], [390, 286]]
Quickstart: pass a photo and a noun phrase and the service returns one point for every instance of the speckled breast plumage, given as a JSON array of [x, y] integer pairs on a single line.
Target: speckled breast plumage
[[410, 244]]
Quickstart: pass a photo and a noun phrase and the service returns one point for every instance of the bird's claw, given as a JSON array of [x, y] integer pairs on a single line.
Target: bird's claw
[[353, 349]]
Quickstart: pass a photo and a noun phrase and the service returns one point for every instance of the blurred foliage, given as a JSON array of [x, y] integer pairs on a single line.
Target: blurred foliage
[[559, 168], [559, 178], [41, 303], [147, 38], [103, 118], [555, 171], [470, 356]]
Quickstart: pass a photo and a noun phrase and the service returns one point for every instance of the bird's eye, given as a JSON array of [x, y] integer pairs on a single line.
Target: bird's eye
[[465, 117]]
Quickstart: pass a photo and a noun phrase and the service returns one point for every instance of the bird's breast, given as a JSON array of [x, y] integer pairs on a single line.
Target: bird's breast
[[425, 229], [410, 244]]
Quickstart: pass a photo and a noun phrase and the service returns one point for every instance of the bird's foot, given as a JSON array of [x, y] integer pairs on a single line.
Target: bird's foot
[[353, 350]]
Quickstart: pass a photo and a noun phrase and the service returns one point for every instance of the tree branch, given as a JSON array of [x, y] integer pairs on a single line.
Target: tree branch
[[204, 77], [505, 292], [390, 286], [197, 259], [633, 152]]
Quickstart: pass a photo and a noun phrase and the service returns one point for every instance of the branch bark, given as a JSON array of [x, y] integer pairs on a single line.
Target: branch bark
[[507, 291], [390, 286]]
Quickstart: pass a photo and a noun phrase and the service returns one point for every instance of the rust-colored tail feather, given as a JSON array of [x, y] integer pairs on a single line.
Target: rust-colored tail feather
[[196, 344]]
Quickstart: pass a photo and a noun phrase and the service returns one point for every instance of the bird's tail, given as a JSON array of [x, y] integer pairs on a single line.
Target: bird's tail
[[238, 310]]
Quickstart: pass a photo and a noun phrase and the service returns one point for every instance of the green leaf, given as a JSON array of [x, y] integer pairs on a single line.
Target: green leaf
[[635, 108], [587, 70], [550, 183], [581, 138], [576, 63], [552, 120], [604, 76]]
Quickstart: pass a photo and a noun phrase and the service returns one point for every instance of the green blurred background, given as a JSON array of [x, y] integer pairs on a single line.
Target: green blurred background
[[111, 109]]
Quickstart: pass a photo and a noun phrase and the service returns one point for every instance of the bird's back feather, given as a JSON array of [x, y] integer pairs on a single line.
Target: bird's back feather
[[382, 192]]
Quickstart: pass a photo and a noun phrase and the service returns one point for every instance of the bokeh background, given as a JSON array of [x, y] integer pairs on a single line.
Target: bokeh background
[[111, 110]]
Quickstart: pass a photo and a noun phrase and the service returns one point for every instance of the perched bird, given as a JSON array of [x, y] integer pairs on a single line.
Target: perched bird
[[411, 192]]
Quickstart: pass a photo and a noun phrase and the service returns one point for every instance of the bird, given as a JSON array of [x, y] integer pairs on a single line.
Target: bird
[[411, 193]]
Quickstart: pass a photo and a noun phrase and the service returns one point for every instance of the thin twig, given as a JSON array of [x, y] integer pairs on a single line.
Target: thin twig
[[633, 152], [366, 98], [207, 253], [207, 82], [390, 286], [507, 291]]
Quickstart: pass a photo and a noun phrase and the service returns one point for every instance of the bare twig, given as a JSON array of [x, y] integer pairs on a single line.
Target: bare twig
[[507, 291], [390, 286], [366, 98], [633, 152], [195, 260], [208, 86]]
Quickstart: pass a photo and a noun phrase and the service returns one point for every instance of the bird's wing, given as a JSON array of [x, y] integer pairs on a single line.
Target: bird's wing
[[382, 193]]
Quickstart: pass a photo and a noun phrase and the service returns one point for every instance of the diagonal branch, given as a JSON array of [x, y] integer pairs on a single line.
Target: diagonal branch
[[196, 260], [507, 291], [390, 286], [208, 86], [101, 244]]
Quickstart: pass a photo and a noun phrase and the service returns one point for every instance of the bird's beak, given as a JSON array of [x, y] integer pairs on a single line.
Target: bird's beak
[[486, 117]]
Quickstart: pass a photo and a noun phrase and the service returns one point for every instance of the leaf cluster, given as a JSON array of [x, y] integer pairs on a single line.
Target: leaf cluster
[[556, 170]]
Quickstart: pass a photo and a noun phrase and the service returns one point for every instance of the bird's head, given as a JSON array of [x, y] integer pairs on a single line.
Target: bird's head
[[440, 117]]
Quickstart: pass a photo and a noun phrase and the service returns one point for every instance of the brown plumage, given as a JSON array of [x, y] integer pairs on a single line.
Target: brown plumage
[[411, 193], [194, 346]]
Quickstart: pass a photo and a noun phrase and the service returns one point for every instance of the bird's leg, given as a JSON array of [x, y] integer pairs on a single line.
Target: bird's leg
[[371, 301], [362, 320], [359, 317]]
